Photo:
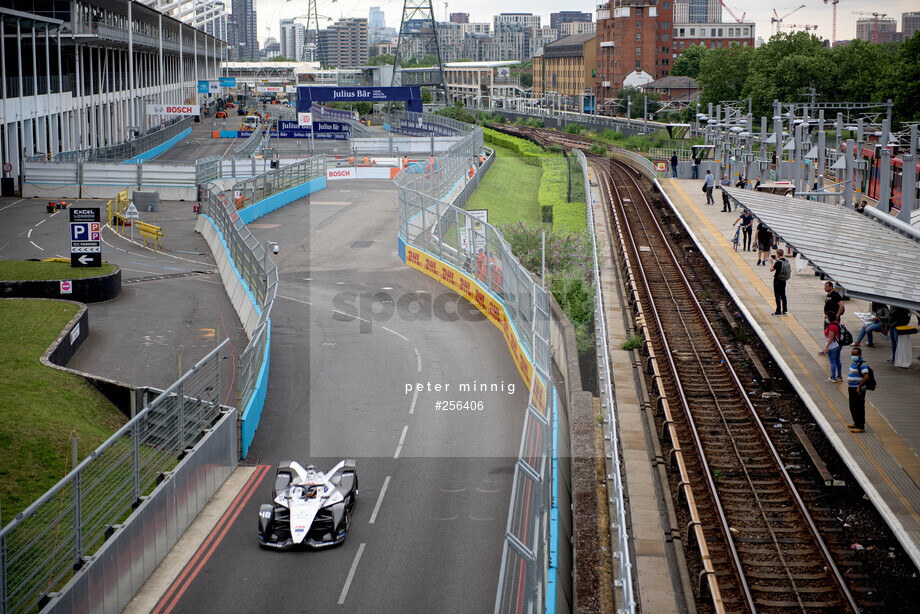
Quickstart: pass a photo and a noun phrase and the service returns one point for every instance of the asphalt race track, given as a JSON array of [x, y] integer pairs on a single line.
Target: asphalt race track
[[352, 328]]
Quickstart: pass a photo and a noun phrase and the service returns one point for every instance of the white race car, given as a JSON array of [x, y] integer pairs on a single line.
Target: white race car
[[310, 508]]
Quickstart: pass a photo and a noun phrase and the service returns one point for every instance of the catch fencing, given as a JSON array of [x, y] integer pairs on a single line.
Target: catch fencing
[[259, 277], [262, 186], [123, 151], [430, 224], [622, 558], [44, 545]]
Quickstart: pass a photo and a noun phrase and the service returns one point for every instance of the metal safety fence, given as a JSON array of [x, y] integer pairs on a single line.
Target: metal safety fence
[[248, 147], [260, 187], [429, 222], [46, 543], [622, 558], [124, 151]]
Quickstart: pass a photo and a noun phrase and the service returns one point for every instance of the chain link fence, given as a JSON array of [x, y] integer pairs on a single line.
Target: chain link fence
[[123, 151], [622, 558], [43, 546], [430, 222], [260, 187]]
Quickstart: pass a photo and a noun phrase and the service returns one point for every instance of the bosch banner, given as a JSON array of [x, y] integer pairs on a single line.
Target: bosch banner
[[172, 109]]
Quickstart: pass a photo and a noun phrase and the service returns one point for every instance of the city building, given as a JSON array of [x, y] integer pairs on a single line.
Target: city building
[[481, 84], [634, 45], [697, 11], [476, 28], [383, 48], [376, 18], [459, 17], [525, 20], [875, 30], [56, 96], [244, 21], [344, 44], [566, 68], [910, 23], [557, 19], [292, 40], [711, 36], [576, 27]]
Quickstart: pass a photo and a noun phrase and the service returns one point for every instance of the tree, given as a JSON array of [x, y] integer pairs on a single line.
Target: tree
[[280, 58], [637, 106], [380, 60], [785, 68], [688, 64], [724, 73], [903, 82]]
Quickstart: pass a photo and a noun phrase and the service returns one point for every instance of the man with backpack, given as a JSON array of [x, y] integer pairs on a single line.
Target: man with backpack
[[859, 379], [782, 271]]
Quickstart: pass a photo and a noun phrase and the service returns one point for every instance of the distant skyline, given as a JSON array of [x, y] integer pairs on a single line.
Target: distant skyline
[[270, 12]]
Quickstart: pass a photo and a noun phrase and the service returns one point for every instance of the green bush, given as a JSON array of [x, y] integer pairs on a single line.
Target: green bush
[[633, 342], [578, 181], [598, 150], [570, 217], [546, 214], [575, 129], [529, 152], [576, 297]]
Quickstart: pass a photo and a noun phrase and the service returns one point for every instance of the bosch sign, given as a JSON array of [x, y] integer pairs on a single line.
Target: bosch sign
[[341, 173], [172, 109]]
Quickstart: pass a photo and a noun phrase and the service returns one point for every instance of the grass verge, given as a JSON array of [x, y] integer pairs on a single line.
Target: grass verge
[[26, 270], [509, 191], [41, 407]]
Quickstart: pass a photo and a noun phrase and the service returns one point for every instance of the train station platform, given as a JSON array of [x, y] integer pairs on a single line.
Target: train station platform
[[885, 459]]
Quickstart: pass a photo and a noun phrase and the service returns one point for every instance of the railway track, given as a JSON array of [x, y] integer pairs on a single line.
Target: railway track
[[760, 550]]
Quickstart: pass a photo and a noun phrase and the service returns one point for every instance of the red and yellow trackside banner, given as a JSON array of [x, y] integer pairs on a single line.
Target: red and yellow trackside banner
[[469, 289]]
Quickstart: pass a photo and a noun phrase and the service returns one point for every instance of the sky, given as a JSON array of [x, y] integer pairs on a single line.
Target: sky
[[270, 12]]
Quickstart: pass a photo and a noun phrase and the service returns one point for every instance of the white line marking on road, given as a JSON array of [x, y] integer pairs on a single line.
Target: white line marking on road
[[418, 358], [41, 222], [383, 491], [350, 315], [414, 399], [33, 243], [13, 204], [29, 235], [351, 573], [402, 439], [390, 330], [296, 300]]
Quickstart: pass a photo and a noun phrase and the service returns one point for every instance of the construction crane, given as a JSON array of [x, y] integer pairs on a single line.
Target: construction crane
[[730, 12], [807, 28], [776, 19], [874, 23], [834, 25]]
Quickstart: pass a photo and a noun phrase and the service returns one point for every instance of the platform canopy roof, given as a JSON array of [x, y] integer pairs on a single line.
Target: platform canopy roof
[[869, 260]]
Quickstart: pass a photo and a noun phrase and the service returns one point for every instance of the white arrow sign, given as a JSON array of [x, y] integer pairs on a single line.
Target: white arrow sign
[[84, 259]]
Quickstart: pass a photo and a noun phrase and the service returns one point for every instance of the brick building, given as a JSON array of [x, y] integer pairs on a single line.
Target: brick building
[[633, 45]]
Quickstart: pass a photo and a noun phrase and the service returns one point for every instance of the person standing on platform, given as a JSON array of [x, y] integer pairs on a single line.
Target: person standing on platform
[[832, 346], [710, 186], [833, 302], [674, 165], [764, 243], [726, 201], [747, 228], [782, 271], [695, 167], [757, 183], [857, 378]]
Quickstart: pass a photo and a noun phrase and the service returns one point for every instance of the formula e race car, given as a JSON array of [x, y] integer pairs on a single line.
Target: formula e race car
[[309, 508]]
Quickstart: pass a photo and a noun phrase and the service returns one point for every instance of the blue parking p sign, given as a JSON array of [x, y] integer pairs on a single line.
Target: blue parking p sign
[[85, 237]]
